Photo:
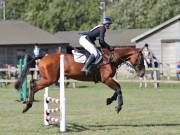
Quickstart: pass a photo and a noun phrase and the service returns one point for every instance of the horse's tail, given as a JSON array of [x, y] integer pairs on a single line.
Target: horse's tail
[[19, 82]]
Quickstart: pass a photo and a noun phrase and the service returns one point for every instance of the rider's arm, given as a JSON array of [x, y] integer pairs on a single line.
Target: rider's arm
[[101, 39]]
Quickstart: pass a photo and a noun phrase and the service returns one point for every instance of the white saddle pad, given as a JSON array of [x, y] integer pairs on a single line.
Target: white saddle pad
[[81, 58]]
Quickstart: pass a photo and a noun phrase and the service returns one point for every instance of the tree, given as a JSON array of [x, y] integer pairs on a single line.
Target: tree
[[55, 15], [14, 8], [142, 13], [65, 15]]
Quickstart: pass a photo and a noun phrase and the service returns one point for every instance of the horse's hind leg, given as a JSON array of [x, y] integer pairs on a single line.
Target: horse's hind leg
[[31, 96], [35, 86]]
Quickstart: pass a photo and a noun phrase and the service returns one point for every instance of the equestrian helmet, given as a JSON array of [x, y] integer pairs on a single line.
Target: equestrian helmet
[[107, 20]]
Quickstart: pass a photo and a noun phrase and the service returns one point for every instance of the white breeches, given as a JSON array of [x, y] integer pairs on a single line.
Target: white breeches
[[88, 45]]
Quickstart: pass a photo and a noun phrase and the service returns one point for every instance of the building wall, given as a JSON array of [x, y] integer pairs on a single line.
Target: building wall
[[7, 55], [11, 54], [169, 57], [154, 40]]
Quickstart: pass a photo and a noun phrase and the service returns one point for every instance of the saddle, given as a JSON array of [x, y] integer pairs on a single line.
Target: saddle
[[80, 56]]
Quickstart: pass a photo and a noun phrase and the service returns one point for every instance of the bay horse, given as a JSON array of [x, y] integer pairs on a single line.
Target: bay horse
[[49, 71]]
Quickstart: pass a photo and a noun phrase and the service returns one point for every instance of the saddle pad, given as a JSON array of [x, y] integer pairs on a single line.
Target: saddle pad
[[79, 57]]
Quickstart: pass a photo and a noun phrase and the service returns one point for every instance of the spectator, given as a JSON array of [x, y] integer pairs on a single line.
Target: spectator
[[147, 52], [178, 70], [38, 51], [148, 55], [155, 62]]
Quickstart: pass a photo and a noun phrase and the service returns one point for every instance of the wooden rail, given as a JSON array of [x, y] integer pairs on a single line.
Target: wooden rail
[[141, 81]]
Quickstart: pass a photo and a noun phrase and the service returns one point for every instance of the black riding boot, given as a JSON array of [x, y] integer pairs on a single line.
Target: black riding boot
[[86, 66]]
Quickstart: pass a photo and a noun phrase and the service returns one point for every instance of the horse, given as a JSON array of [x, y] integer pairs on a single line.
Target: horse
[[49, 71]]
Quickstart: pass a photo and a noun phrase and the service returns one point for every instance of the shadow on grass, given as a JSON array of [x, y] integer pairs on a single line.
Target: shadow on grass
[[138, 125], [72, 127], [83, 86]]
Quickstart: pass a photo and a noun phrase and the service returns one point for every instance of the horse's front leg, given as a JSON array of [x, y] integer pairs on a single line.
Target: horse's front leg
[[117, 95], [111, 99]]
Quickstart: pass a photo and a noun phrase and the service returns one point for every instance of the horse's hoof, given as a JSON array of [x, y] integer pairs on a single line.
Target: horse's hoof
[[108, 101], [28, 106], [118, 109]]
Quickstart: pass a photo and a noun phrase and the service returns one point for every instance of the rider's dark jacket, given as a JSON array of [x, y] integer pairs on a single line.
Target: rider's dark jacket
[[97, 32]]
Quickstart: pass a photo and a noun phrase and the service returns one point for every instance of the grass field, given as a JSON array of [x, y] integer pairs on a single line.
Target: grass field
[[145, 112]]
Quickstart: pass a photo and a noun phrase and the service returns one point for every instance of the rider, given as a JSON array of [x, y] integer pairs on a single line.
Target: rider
[[87, 40]]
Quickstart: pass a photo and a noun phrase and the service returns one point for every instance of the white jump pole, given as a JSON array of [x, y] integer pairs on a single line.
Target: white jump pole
[[62, 97], [46, 123], [62, 107]]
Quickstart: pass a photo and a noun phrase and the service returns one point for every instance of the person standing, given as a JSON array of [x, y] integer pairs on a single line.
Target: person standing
[[148, 55], [178, 70]]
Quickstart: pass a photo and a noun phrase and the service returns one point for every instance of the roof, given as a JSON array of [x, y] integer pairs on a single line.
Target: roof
[[71, 37], [19, 32], [157, 28], [113, 37], [122, 37]]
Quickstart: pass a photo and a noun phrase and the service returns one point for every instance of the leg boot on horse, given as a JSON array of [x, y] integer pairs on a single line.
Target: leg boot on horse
[[117, 94], [111, 99]]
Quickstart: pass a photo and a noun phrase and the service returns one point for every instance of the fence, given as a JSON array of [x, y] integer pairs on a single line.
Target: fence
[[141, 81]]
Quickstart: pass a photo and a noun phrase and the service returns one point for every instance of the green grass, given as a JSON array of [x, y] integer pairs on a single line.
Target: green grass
[[145, 112]]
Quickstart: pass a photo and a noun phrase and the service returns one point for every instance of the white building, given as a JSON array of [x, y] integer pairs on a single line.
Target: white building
[[164, 41]]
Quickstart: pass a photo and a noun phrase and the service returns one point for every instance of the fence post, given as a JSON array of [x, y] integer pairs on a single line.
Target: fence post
[[46, 123], [20, 89], [25, 89], [155, 79], [61, 101], [62, 97], [145, 82]]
